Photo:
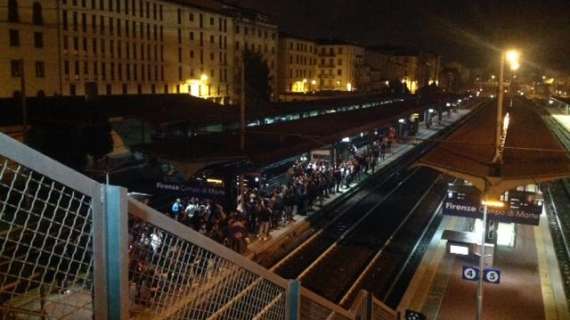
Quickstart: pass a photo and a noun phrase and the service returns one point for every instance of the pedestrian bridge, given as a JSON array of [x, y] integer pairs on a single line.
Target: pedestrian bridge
[[72, 248]]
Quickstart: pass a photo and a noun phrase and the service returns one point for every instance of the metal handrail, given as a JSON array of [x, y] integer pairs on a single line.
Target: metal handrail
[[382, 306], [160, 220], [334, 308], [61, 183], [45, 165], [110, 208]]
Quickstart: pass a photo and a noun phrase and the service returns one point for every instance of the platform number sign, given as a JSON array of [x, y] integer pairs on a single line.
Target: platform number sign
[[414, 315], [470, 273], [492, 275]]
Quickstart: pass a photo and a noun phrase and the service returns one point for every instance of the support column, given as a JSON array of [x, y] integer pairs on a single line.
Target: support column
[[117, 260], [293, 300], [482, 265]]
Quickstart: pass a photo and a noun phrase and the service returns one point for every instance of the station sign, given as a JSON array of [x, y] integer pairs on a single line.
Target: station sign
[[490, 275], [414, 315], [191, 189], [470, 273], [521, 207]]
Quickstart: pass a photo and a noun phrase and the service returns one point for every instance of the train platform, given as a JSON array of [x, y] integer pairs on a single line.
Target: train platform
[[530, 287], [282, 234]]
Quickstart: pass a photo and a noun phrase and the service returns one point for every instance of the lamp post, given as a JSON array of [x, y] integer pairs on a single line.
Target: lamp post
[[512, 57], [486, 205]]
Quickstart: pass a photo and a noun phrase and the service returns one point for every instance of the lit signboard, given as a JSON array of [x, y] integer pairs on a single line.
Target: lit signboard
[[522, 207]]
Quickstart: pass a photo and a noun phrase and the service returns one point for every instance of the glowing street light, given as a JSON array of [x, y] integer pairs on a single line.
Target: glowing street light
[[513, 58], [204, 77]]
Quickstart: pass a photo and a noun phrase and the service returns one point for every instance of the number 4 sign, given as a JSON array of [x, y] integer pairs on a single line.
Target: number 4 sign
[[470, 273]]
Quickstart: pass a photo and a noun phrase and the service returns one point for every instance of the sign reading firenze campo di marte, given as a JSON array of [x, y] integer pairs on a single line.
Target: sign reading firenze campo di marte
[[195, 190], [520, 208]]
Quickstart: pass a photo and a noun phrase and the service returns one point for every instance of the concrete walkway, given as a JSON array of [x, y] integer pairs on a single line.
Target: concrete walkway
[[279, 234], [530, 288]]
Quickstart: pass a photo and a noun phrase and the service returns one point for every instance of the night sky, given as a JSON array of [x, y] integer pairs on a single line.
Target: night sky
[[462, 30]]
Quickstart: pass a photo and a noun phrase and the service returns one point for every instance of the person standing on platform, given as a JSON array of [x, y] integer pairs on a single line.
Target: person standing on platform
[[264, 216], [383, 150], [176, 208]]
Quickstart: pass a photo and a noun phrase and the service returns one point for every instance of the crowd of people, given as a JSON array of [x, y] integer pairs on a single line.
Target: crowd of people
[[259, 210], [265, 207]]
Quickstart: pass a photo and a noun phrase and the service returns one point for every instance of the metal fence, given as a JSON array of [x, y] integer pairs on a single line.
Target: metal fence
[[72, 248], [46, 238]]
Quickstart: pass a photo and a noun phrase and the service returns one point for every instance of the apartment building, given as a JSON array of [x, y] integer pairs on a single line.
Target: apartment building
[[78, 47], [28, 47], [298, 65], [339, 65], [199, 51], [414, 68], [255, 32]]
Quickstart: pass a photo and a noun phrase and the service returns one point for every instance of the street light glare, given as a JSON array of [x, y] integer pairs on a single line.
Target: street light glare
[[513, 57]]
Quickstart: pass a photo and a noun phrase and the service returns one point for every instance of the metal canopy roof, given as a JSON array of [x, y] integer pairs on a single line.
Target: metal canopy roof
[[532, 153], [266, 145], [160, 109]]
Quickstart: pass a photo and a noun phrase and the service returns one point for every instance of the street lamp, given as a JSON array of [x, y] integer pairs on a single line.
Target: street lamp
[[512, 57]]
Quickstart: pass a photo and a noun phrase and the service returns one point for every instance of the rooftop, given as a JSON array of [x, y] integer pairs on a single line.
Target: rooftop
[[531, 154]]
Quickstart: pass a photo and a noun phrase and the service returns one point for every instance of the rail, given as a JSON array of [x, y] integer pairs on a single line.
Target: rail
[[72, 248], [559, 223]]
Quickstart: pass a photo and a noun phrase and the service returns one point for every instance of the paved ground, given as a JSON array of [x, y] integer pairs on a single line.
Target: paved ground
[[530, 288]]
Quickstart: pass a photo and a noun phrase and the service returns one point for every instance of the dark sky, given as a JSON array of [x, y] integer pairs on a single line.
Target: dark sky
[[463, 30]]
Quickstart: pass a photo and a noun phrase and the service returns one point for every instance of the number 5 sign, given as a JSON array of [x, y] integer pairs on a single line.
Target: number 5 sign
[[492, 275]]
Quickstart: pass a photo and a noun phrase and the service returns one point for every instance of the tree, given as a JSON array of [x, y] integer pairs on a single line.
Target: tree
[[257, 78]]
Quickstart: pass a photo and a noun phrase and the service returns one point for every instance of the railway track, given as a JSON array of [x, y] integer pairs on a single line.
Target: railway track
[[557, 202], [384, 227], [378, 238], [388, 275], [350, 257]]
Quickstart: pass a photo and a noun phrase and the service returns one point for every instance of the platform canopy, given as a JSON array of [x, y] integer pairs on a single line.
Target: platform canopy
[[532, 154], [269, 144]]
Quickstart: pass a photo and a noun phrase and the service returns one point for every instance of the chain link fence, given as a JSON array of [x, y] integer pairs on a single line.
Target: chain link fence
[[71, 248], [46, 245]]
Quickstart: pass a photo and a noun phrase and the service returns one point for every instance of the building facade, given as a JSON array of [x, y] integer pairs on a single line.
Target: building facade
[[28, 48], [339, 65], [254, 31], [117, 47], [198, 55], [298, 65], [78, 47], [413, 68]]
